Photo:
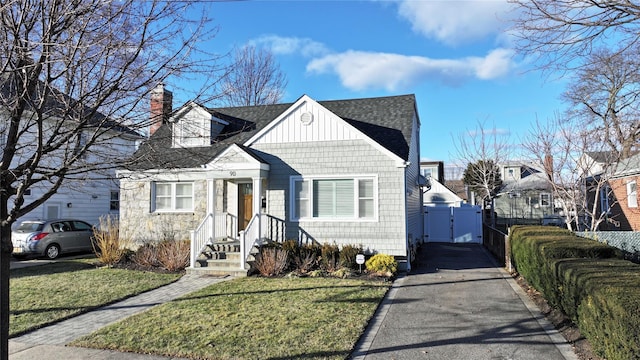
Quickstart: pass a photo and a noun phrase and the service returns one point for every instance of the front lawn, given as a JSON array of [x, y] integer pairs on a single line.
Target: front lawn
[[252, 318], [45, 294]]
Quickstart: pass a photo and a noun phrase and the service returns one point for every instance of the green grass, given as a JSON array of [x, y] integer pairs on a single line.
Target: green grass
[[252, 318], [45, 294]]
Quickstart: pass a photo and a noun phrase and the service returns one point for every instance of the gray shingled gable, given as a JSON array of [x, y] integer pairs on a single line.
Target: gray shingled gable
[[386, 120]]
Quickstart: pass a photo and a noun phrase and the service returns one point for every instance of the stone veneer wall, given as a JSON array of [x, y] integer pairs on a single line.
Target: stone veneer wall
[[139, 224]]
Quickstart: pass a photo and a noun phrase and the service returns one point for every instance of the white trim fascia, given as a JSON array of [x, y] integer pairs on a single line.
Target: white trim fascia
[[306, 98], [191, 105], [252, 161]]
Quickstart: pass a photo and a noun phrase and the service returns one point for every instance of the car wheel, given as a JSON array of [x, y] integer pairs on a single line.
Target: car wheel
[[52, 251]]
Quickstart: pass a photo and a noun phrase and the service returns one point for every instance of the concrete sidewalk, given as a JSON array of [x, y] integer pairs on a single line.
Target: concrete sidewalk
[[458, 304]]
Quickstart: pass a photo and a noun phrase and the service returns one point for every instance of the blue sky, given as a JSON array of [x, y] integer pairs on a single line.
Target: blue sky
[[455, 56]]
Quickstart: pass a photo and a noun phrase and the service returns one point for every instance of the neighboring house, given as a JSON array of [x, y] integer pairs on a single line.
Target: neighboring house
[[447, 217], [436, 193], [343, 172], [432, 170], [619, 197], [440, 195], [85, 196], [526, 195]]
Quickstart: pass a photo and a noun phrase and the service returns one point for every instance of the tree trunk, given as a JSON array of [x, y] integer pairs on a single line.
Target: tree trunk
[[5, 258], [6, 247]]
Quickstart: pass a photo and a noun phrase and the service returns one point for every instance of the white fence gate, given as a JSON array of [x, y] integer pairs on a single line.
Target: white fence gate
[[453, 224]]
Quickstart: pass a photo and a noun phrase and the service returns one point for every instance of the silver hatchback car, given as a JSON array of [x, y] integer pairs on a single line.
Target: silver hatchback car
[[51, 238]]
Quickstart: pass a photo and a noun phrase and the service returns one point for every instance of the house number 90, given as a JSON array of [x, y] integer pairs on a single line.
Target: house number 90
[[232, 173]]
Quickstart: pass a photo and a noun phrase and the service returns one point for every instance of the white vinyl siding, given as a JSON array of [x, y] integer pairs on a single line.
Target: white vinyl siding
[[334, 198], [173, 196], [632, 194]]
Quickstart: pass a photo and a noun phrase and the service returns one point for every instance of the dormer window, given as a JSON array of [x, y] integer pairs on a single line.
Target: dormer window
[[194, 126], [189, 133]]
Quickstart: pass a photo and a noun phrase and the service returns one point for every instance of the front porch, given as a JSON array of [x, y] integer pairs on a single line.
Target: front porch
[[215, 250], [235, 223]]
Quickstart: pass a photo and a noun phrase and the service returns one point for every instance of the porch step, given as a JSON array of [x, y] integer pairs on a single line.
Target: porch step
[[219, 258], [217, 272]]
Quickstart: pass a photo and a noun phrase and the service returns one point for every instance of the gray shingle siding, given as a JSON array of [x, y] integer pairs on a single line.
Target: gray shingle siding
[[385, 235]]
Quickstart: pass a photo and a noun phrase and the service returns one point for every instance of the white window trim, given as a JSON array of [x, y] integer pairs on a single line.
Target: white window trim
[[632, 196], [548, 195], [173, 197], [356, 208], [605, 204]]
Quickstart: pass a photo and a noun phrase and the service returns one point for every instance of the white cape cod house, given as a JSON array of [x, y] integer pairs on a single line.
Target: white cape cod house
[[343, 172]]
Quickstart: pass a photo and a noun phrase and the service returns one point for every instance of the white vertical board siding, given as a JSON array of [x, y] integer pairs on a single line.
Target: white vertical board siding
[[415, 222], [325, 126]]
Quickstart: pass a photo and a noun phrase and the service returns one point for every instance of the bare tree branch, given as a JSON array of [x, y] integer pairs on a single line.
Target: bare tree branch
[[560, 33], [256, 79], [75, 76]]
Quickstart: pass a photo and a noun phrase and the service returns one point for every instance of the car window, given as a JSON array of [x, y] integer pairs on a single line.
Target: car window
[[61, 226], [81, 226], [30, 227]]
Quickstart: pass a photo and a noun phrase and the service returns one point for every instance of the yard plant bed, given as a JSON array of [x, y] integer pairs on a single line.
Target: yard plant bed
[[252, 318], [45, 294]]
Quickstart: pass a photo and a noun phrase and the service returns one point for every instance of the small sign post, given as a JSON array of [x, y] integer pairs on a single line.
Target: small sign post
[[360, 261]]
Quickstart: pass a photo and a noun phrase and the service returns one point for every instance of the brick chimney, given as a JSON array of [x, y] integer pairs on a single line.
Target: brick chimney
[[161, 107]]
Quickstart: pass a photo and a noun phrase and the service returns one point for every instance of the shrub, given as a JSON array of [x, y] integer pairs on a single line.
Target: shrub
[[330, 258], [342, 273], [348, 256], [108, 246], [271, 261], [173, 255], [382, 264], [146, 256], [306, 259]]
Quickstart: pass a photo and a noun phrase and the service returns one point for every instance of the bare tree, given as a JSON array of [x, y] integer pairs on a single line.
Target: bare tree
[[255, 79], [603, 96], [482, 150], [579, 169], [74, 77], [562, 33]]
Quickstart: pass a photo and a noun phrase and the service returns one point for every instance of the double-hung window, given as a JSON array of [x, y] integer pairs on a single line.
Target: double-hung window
[[545, 199], [343, 198], [605, 202], [632, 194], [173, 196]]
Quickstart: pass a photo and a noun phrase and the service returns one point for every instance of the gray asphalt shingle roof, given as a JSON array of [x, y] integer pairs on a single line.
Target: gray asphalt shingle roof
[[386, 120]]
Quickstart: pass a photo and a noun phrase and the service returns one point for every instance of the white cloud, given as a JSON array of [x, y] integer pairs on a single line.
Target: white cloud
[[359, 70], [281, 45], [456, 22]]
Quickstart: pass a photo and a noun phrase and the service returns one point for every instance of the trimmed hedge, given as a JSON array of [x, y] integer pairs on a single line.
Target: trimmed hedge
[[533, 249], [588, 281]]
